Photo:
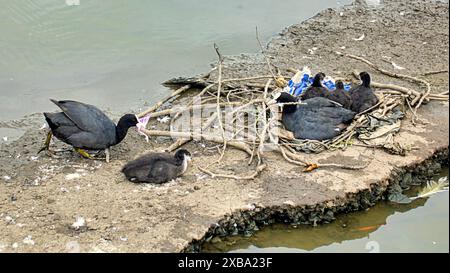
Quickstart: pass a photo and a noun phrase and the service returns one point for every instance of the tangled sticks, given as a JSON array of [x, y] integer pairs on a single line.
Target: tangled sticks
[[249, 130]]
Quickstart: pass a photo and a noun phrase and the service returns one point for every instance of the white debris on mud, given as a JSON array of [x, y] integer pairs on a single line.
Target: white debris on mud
[[28, 240], [72, 176], [79, 223]]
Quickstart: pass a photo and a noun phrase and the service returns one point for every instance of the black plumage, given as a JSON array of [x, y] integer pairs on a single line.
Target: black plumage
[[362, 95], [319, 119], [340, 96], [316, 89], [157, 167], [84, 126]]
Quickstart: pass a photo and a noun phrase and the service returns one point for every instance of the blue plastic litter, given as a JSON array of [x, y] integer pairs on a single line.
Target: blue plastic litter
[[296, 87]]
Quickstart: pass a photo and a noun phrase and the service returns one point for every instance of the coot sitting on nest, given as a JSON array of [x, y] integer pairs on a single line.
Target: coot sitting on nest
[[316, 89], [318, 119], [157, 167], [85, 127], [340, 96], [362, 95]]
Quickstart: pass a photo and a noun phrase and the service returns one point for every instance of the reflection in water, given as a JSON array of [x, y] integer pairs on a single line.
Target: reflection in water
[[420, 226]]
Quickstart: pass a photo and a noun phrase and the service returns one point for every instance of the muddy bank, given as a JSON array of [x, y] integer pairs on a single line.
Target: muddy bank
[[246, 222], [41, 198]]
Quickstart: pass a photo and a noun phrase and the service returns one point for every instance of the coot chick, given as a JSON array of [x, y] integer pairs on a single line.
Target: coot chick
[[340, 96], [316, 89], [85, 127], [157, 167], [318, 119], [362, 95]]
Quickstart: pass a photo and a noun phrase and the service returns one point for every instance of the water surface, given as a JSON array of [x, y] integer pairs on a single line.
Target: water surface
[[421, 226], [115, 53]]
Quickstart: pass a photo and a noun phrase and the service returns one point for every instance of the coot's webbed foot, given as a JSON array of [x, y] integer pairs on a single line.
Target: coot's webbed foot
[[83, 153], [46, 143]]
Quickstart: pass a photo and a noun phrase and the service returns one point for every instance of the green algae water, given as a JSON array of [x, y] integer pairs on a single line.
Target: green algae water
[[420, 226]]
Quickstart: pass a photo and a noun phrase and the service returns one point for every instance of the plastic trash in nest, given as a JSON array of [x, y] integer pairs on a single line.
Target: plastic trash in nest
[[142, 124], [299, 82], [330, 83], [304, 78]]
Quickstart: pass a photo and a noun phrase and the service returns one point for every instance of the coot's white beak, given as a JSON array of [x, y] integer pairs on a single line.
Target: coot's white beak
[[188, 158]]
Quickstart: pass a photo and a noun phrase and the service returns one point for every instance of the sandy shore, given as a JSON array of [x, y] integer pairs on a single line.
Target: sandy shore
[[41, 197]]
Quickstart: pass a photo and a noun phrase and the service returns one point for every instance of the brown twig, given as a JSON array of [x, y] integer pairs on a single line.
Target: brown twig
[[219, 113], [188, 135], [386, 72], [251, 176], [434, 72], [181, 141], [265, 124], [180, 110], [161, 102], [269, 65]]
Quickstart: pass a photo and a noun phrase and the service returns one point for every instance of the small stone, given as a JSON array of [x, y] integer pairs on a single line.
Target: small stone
[[10, 220], [196, 188], [216, 240], [289, 202], [28, 240], [73, 176], [250, 207], [407, 180]]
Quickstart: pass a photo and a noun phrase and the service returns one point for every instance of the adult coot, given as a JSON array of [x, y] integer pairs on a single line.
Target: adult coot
[[340, 96], [362, 95], [85, 127], [157, 167], [317, 118], [316, 89]]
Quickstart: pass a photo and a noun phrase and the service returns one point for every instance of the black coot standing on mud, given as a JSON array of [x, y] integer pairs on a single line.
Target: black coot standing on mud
[[317, 118], [316, 89], [85, 127], [362, 95], [157, 167], [340, 96]]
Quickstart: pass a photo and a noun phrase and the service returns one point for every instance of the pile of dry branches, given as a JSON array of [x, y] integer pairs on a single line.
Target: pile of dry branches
[[258, 135]]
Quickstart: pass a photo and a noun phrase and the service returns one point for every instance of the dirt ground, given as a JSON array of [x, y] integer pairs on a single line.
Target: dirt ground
[[41, 197]]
